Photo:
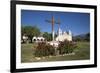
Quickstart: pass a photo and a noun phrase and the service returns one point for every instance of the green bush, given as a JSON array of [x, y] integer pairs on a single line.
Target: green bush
[[44, 49], [66, 47]]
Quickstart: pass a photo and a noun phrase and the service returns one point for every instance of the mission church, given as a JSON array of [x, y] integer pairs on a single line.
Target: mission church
[[64, 35], [61, 36]]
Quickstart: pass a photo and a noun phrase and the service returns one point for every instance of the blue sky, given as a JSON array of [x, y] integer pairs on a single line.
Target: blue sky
[[78, 23]]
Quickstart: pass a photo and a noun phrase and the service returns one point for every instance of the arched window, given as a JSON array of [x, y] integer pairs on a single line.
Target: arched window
[[34, 39], [41, 39], [37, 39]]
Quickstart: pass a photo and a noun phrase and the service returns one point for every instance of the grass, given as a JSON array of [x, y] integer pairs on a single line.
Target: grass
[[27, 51], [81, 53]]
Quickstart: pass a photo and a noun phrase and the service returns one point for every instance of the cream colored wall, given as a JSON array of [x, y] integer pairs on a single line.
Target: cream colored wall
[[64, 37]]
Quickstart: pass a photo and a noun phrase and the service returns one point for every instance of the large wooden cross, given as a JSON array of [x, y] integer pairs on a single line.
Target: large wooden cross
[[52, 21]]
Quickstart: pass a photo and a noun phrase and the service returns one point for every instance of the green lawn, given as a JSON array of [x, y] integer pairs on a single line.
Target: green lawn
[[81, 53]]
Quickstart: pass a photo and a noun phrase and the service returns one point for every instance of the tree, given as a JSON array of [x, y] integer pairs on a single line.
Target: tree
[[30, 31], [87, 38], [22, 33], [47, 36]]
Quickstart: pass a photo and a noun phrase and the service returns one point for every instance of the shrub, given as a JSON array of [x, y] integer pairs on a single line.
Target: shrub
[[44, 49], [66, 47]]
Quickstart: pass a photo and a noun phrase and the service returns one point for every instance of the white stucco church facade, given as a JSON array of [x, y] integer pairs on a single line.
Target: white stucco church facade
[[64, 35]]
